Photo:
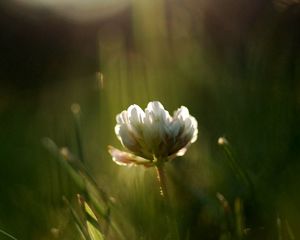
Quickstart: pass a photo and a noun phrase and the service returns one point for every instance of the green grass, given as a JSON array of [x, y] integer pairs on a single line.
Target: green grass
[[57, 180]]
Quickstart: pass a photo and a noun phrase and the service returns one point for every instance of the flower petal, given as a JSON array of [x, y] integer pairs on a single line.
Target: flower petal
[[128, 128], [174, 128], [156, 112], [127, 138], [156, 128], [180, 153], [122, 118], [195, 129], [182, 113], [187, 134], [135, 115], [136, 119], [127, 159], [190, 129]]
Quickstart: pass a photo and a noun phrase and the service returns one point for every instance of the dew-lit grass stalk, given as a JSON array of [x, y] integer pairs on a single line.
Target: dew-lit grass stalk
[[7, 234], [239, 171], [75, 108], [161, 177]]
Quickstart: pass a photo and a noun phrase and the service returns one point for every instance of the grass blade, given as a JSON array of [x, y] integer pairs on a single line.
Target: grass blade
[[7, 234]]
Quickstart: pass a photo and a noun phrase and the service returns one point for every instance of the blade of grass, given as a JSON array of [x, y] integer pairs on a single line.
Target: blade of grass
[[7, 234], [82, 227], [289, 231], [73, 172], [92, 223], [237, 169], [75, 108], [80, 175], [79, 167], [239, 215], [54, 150]]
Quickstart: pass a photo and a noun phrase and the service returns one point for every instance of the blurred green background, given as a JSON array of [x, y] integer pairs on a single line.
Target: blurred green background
[[234, 64]]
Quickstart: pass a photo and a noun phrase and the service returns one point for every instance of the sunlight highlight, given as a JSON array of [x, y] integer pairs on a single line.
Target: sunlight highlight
[[78, 10]]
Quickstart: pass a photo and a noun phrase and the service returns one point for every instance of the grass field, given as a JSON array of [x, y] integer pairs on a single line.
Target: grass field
[[235, 66]]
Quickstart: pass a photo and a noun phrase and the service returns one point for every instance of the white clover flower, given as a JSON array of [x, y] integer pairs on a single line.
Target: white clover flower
[[153, 136]]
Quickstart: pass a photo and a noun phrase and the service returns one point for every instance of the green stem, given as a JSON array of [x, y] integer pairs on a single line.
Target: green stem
[[162, 180]]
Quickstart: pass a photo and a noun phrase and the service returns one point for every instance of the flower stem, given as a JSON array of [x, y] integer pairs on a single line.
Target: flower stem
[[161, 177]]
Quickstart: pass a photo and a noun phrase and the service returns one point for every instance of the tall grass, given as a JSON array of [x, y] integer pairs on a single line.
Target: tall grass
[[57, 180]]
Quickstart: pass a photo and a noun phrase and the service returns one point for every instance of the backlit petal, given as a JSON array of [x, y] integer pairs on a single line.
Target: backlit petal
[[127, 159], [135, 115]]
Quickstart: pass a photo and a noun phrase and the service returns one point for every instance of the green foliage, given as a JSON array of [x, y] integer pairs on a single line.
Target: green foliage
[[238, 77]]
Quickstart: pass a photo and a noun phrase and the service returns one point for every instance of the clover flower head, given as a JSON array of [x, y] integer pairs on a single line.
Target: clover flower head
[[153, 136]]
